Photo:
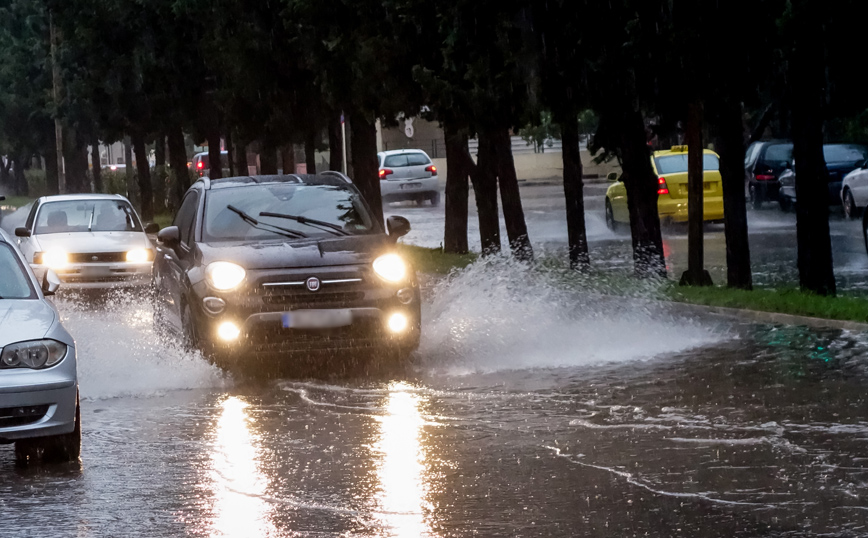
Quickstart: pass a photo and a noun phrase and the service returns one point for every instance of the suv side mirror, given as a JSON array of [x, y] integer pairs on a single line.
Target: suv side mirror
[[612, 176], [21, 231], [50, 282], [169, 236], [151, 227], [397, 227]]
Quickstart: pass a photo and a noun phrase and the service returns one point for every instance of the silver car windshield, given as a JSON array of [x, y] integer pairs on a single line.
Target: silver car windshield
[[332, 204], [86, 216], [14, 284]]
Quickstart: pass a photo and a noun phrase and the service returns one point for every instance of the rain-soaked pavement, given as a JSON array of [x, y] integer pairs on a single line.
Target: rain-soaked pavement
[[527, 411]]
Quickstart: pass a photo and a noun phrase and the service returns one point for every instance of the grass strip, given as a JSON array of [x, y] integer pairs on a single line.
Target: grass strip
[[434, 260]]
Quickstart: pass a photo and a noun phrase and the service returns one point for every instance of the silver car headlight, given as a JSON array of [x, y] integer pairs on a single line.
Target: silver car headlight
[[224, 276], [391, 268], [33, 354]]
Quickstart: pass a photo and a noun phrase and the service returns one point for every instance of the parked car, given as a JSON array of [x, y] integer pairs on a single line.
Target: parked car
[[670, 166], [841, 159], [408, 174], [854, 191], [89, 240], [763, 164], [39, 409], [202, 165], [271, 267]]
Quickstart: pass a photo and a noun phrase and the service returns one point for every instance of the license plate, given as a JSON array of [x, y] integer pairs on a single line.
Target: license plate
[[411, 185], [317, 319]]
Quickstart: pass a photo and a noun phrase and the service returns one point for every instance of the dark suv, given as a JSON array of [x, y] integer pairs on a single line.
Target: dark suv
[[274, 267], [763, 164]]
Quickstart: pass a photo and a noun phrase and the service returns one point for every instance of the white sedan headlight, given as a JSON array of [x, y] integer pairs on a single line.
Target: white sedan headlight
[[138, 255], [32, 354], [391, 267], [55, 259], [224, 276]]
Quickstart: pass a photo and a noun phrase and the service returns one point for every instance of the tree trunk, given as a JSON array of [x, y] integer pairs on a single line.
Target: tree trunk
[[730, 144], [160, 176], [131, 190], [180, 179], [215, 159], [641, 185], [241, 159], [51, 181], [696, 275], [5, 176], [287, 155], [96, 165], [75, 159], [574, 194], [807, 70], [336, 149], [230, 162], [143, 175], [510, 197], [310, 151], [365, 164], [268, 159], [20, 186], [457, 192], [485, 192]]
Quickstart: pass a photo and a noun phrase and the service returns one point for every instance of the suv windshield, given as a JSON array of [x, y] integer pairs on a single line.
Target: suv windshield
[[675, 164], [14, 284], [332, 204], [86, 215]]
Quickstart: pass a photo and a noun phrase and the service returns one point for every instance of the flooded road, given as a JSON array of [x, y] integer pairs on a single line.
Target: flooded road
[[527, 412]]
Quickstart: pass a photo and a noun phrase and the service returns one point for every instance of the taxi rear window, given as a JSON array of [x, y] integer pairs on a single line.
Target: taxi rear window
[[675, 164]]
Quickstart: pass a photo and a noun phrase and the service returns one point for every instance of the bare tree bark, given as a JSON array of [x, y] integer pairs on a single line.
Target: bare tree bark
[[51, 179], [178, 163], [310, 151], [160, 176], [287, 155], [267, 158], [574, 195], [365, 164], [510, 197], [143, 173], [241, 164], [96, 165], [336, 155], [485, 192], [230, 162], [457, 192], [696, 275], [215, 158]]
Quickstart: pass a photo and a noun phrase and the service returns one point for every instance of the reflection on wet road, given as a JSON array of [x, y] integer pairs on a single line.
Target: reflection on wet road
[[711, 429]]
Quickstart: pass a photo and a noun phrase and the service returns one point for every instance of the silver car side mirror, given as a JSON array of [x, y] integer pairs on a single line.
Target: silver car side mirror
[[50, 282]]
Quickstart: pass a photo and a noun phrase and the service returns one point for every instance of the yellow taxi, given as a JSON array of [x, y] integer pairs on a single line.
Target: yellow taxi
[[670, 166]]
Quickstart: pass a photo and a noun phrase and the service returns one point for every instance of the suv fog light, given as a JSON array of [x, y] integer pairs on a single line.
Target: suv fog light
[[228, 331], [214, 305], [405, 295], [397, 322]]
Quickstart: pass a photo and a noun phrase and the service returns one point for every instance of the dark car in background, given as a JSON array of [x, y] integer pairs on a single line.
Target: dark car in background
[[841, 159], [266, 268], [202, 165], [763, 164]]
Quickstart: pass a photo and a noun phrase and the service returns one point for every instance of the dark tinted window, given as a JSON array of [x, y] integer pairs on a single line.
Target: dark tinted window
[[329, 203], [15, 283], [396, 161], [674, 164], [86, 215], [416, 159], [844, 153], [186, 216], [779, 153]]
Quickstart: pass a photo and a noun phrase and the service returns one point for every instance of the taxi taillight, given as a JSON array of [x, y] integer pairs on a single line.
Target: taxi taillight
[[662, 187]]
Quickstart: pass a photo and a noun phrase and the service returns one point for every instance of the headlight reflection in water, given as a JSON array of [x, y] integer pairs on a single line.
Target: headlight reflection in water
[[237, 484], [401, 470]]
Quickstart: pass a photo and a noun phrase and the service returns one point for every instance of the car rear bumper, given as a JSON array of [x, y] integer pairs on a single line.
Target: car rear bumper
[[101, 275], [767, 190], [675, 210], [37, 410], [406, 189]]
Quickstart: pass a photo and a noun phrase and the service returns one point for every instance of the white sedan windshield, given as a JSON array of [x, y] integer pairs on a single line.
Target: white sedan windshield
[[86, 216]]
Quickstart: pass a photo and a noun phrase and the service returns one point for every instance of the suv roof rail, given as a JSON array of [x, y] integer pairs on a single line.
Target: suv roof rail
[[206, 181], [337, 174]]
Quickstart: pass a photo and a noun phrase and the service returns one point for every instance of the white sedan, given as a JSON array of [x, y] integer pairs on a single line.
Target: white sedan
[[89, 240], [854, 191]]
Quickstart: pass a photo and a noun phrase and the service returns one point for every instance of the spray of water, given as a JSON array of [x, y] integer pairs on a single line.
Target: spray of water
[[501, 314], [121, 354]]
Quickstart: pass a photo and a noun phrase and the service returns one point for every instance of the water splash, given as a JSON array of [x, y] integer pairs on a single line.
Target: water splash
[[501, 314], [120, 353]]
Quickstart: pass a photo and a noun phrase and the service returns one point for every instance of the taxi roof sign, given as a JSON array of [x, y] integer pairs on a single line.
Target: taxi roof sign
[[678, 149]]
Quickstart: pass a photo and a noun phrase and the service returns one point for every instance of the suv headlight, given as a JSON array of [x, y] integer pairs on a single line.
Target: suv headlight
[[34, 354], [139, 255], [224, 276], [391, 268], [55, 259]]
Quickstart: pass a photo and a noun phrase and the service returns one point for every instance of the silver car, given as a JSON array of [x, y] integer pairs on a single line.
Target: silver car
[[39, 408], [408, 174], [89, 240]]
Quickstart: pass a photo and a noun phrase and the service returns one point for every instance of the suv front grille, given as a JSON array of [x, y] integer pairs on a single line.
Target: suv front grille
[[314, 299], [97, 257]]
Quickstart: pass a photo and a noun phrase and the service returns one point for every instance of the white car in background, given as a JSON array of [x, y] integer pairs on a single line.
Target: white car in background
[[408, 174], [89, 240], [854, 191]]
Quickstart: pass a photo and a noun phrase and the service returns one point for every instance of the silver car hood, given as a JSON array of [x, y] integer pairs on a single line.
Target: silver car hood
[[93, 241], [25, 319]]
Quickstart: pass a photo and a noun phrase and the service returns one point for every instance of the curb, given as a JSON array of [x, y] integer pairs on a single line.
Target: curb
[[770, 317]]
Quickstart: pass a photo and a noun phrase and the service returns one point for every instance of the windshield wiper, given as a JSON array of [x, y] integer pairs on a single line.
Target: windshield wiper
[[90, 222], [258, 225], [322, 225]]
